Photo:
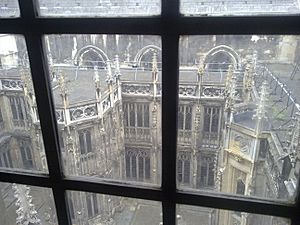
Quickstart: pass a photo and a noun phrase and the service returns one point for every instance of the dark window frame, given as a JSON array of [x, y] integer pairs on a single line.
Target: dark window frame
[[170, 25]]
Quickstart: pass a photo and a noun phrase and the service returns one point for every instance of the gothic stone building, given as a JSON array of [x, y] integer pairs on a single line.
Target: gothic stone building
[[238, 121]]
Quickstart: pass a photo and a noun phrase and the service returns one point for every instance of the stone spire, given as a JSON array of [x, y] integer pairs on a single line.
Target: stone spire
[[29, 93], [63, 89], [117, 66], [261, 110], [109, 78], [117, 74], [230, 90], [154, 67], [97, 82], [228, 82], [248, 82], [27, 86], [200, 74], [26, 213]]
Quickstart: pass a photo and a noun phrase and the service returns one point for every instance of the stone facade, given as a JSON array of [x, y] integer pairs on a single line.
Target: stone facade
[[232, 128]]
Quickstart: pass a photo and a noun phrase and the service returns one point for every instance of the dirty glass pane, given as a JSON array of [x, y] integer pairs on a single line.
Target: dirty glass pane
[[91, 208], [107, 94], [21, 143], [99, 8], [236, 7], [9, 8], [191, 215], [239, 115], [23, 204]]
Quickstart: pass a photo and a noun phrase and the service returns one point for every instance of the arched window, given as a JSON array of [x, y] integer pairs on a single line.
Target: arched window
[[205, 171], [137, 163], [240, 187], [26, 154], [85, 141], [183, 167], [90, 56], [219, 61], [185, 117]]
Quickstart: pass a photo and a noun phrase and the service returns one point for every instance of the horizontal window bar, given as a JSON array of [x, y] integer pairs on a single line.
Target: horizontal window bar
[[116, 188], [40, 180], [155, 25], [258, 206], [151, 193]]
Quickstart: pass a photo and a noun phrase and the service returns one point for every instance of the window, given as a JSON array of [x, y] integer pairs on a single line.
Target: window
[[211, 119], [136, 114], [92, 204], [185, 117], [170, 25], [137, 164], [5, 160], [85, 141], [26, 154], [18, 109], [1, 117], [183, 167], [205, 171]]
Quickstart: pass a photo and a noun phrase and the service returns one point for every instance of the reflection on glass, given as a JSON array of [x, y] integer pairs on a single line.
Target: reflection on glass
[[99, 8], [238, 115], [236, 7], [21, 144], [23, 204], [107, 93], [9, 8], [92, 208], [191, 215]]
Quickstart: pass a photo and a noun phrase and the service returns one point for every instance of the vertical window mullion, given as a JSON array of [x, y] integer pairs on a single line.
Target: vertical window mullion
[[41, 83], [38, 65], [170, 75]]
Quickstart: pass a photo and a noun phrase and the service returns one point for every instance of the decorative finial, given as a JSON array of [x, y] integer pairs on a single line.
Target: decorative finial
[[62, 84], [154, 66], [117, 68], [97, 81], [261, 112], [228, 80], [109, 78]]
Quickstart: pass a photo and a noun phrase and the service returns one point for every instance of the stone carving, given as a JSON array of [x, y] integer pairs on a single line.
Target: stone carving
[[82, 112], [184, 155], [60, 115], [138, 89], [105, 104], [8, 84], [187, 90], [213, 92]]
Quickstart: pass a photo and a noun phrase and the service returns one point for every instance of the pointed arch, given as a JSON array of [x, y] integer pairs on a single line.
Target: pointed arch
[[226, 52], [143, 51], [90, 48]]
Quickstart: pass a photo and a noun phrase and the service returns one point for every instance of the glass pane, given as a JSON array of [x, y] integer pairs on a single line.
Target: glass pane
[[9, 8], [107, 92], [191, 215], [23, 204], [237, 7], [91, 208], [99, 8], [239, 93], [21, 142]]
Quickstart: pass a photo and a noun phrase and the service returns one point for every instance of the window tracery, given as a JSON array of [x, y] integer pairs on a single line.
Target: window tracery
[[85, 141], [137, 163], [183, 167], [205, 171], [26, 154]]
